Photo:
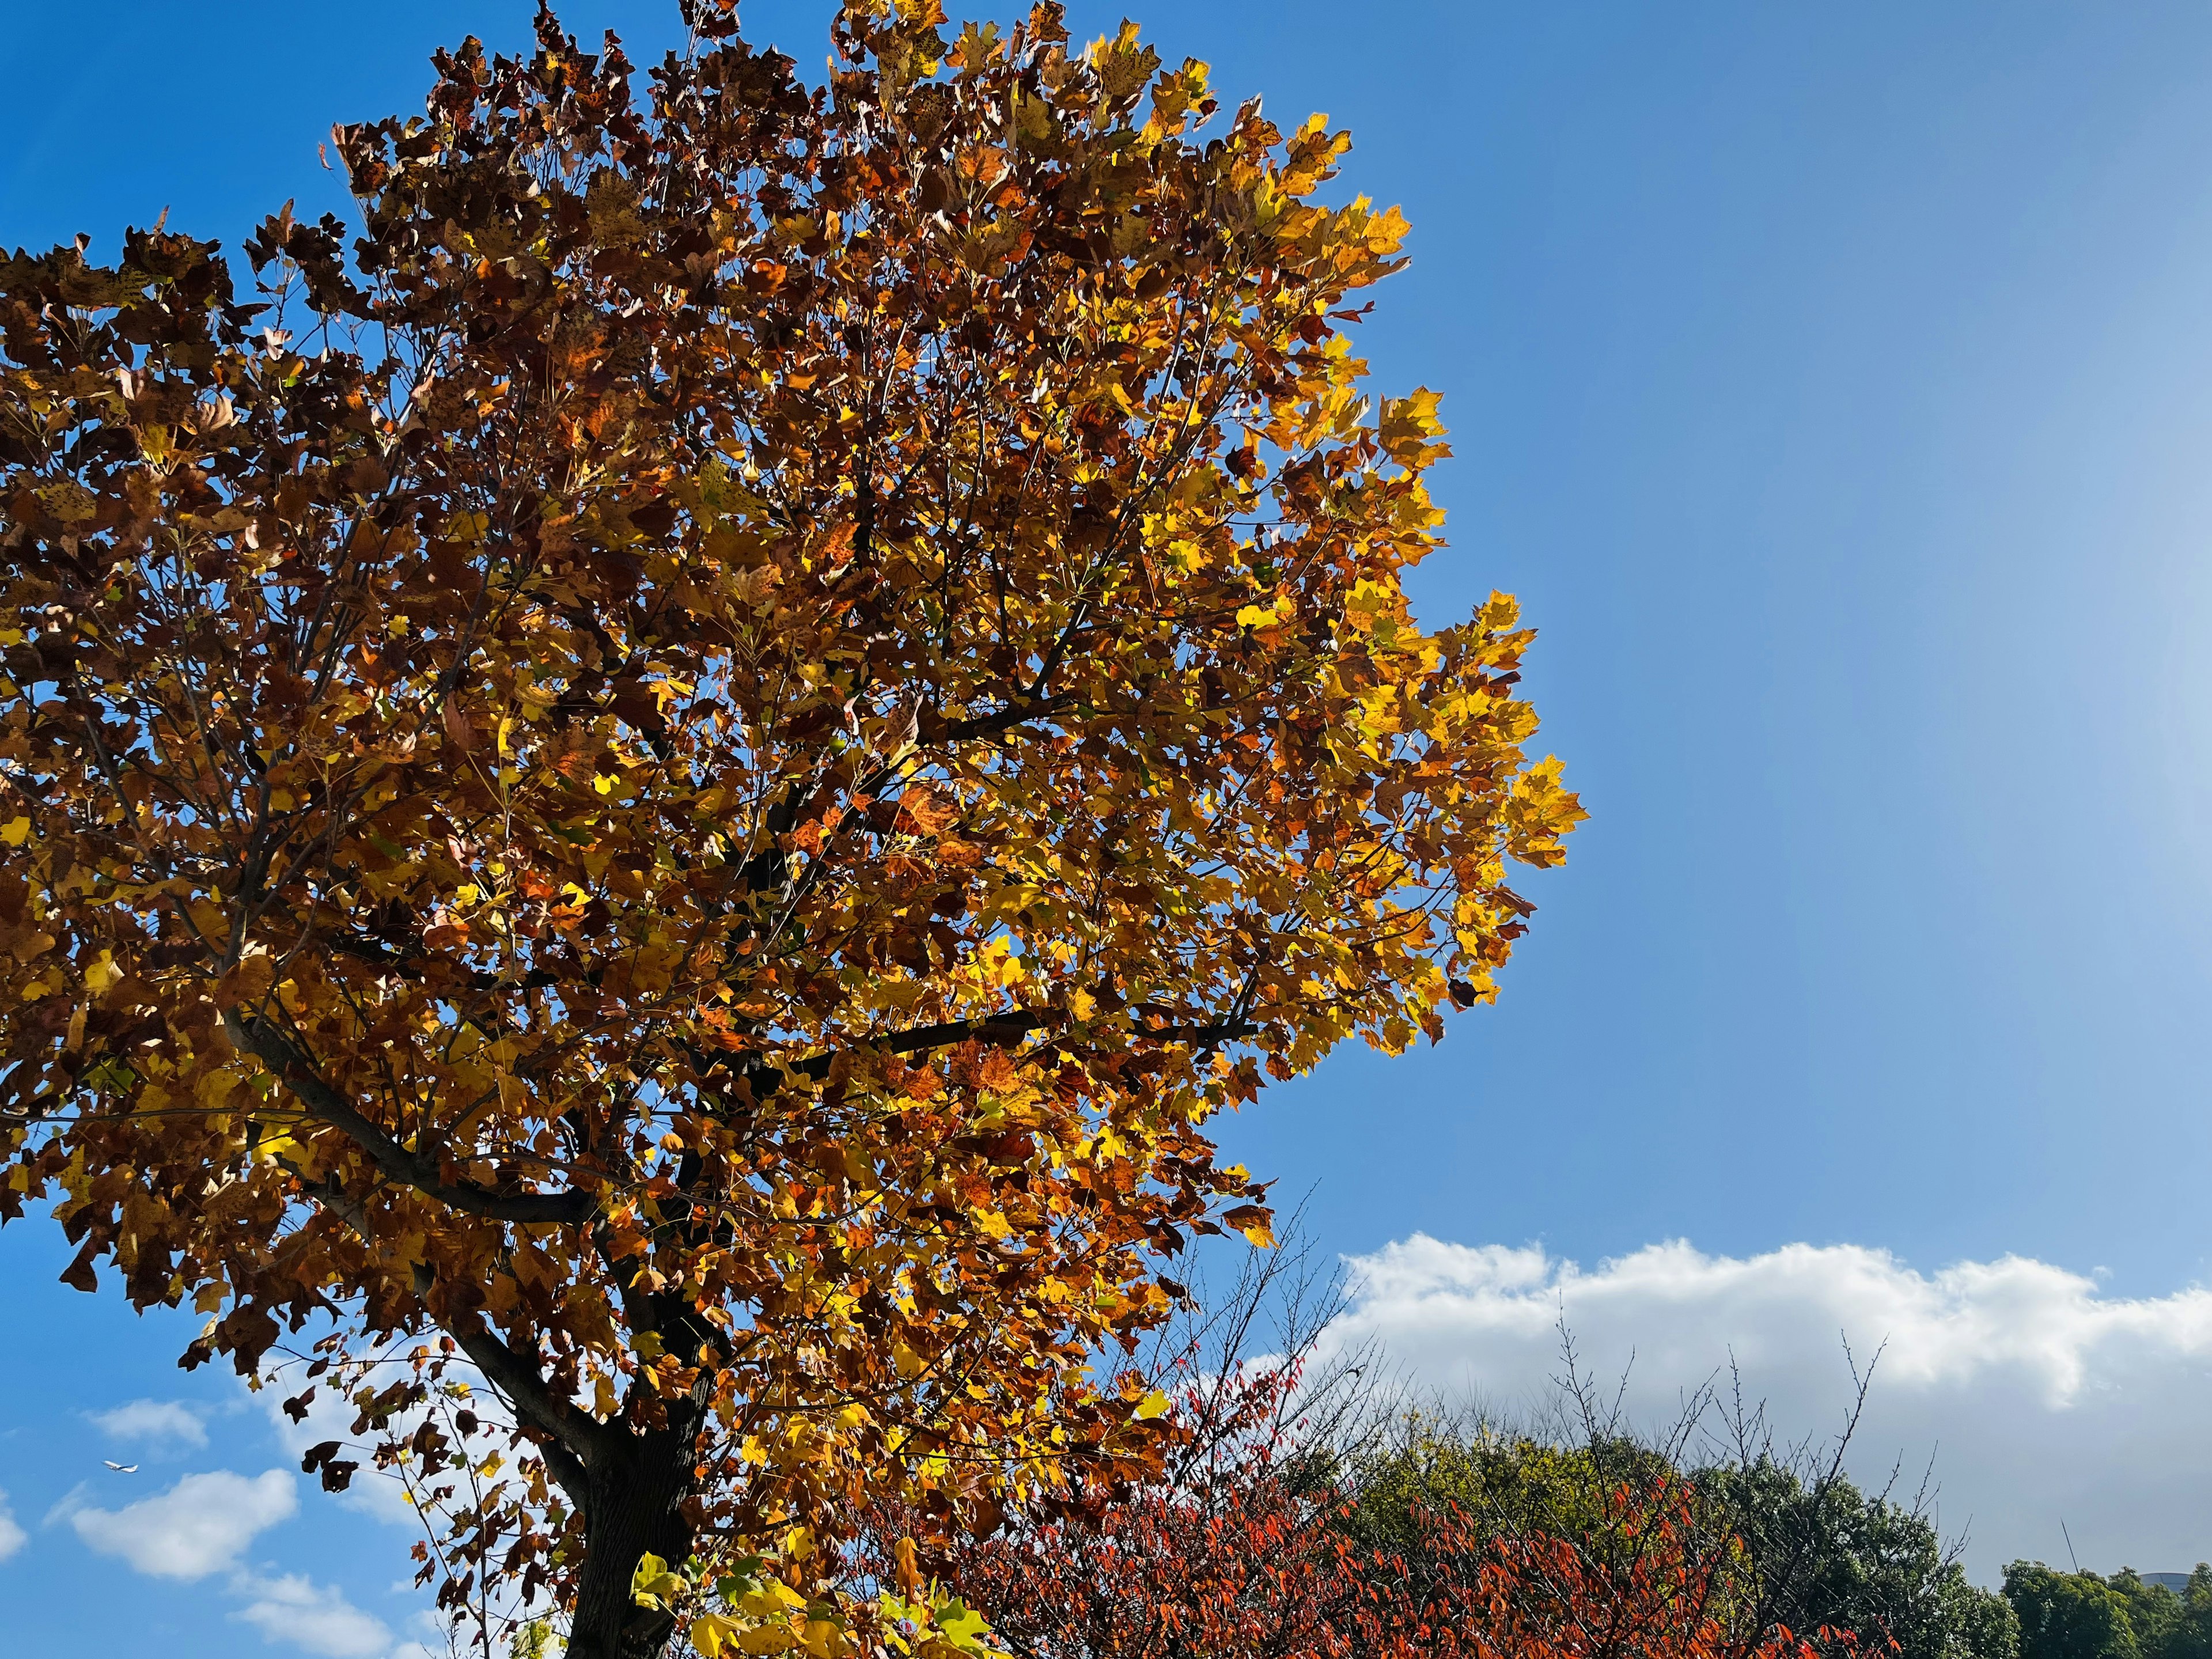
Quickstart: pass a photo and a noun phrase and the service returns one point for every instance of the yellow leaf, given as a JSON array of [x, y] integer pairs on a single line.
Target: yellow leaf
[[962, 1626], [16, 831], [1154, 1404], [652, 1585], [710, 1631], [1254, 1222], [1407, 424]]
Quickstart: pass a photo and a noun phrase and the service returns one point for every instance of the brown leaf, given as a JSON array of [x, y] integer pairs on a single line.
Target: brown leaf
[[79, 1274], [456, 727]]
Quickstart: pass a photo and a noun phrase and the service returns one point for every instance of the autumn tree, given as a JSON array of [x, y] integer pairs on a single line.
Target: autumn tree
[[681, 776]]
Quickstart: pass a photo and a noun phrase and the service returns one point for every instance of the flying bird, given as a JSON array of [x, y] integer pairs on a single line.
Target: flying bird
[[121, 1469]]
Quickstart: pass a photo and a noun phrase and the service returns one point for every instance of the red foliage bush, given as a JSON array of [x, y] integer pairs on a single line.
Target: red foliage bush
[[1247, 1550]]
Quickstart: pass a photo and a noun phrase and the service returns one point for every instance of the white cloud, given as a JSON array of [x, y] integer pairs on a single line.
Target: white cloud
[[195, 1527], [319, 1618], [2039, 1397], [203, 1525], [431, 1641], [153, 1420], [12, 1534]]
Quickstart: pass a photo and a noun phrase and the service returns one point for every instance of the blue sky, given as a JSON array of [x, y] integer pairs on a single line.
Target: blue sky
[[1835, 386]]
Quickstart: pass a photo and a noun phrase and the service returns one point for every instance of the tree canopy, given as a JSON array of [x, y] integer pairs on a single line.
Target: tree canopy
[[1828, 1552], [2086, 1615], [685, 773]]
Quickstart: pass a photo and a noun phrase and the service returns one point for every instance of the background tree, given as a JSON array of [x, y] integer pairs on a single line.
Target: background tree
[[684, 775], [2068, 1615], [1830, 1553], [2084, 1615]]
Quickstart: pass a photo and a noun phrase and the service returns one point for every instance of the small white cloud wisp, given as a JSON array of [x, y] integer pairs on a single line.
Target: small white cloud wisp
[[154, 1422], [294, 1609], [2037, 1398], [12, 1535], [199, 1525]]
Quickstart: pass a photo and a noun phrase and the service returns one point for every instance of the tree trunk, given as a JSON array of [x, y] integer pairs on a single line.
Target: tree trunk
[[636, 1508]]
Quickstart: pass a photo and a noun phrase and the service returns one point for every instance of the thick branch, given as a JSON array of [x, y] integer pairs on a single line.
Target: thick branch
[[576, 1437], [565, 1466], [526, 1390], [583, 1440], [391, 1159], [1002, 1029], [380, 955], [1030, 704], [1007, 1030]]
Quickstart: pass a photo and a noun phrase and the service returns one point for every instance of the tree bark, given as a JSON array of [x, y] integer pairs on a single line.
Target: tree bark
[[637, 1494]]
